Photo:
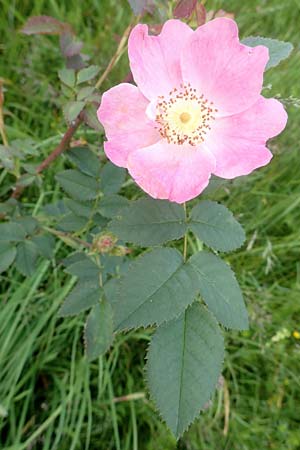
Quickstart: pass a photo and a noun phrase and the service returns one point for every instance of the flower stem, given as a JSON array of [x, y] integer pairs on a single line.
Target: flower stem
[[185, 240]]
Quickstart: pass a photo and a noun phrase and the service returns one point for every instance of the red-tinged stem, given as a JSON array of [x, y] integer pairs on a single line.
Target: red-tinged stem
[[64, 143]]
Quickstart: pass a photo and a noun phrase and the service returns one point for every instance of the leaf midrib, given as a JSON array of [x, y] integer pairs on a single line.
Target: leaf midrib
[[181, 373]]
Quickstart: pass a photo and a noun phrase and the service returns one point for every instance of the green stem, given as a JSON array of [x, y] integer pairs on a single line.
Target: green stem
[[185, 240]]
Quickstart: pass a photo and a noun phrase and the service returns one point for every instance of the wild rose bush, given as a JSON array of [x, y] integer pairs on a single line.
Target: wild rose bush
[[194, 113]]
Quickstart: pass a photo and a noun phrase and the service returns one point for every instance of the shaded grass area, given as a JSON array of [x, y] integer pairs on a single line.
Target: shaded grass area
[[50, 398]]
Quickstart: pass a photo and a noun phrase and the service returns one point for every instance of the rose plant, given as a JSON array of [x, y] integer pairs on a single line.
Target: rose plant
[[194, 114]]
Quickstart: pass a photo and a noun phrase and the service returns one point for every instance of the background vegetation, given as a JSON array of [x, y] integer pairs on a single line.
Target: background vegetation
[[50, 397]]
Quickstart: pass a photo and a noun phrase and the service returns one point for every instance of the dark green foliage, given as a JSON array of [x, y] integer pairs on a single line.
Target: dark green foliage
[[184, 363], [98, 331]]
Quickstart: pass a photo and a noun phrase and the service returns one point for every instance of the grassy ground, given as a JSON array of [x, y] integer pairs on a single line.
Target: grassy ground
[[50, 398]]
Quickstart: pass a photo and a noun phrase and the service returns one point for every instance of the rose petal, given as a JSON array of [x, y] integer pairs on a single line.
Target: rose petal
[[238, 141], [228, 73], [155, 60], [173, 172], [123, 114]]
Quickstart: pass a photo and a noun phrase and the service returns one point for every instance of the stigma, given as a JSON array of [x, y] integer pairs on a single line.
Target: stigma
[[184, 116]]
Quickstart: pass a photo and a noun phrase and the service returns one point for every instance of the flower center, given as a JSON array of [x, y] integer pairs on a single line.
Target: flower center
[[184, 116]]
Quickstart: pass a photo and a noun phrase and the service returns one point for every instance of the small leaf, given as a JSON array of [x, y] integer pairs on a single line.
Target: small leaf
[[85, 269], [89, 115], [72, 109], [7, 255], [67, 76], [7, 157], [278, 50], [86, 74], [71, 222], [44, 25], [55, 209], [184, 9], [26, 180], [27, 255], [85, 92], [112, 178], [216, 227], [111, 205], [45, 244], [86, 160], [28, 223], [10, 231], [77, 185], [220, 290], [156, 288], [82, 297], [184, 364], [79, 209], [74, 258], [99, 330], [150, 222]]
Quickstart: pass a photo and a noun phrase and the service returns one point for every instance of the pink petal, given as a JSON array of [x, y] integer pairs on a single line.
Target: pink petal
[[155, 60], [238, 141], [173, 172], [226, 72], [123, 114]]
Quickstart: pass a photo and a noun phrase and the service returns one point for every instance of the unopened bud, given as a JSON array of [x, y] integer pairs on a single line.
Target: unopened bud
[[104, 243]]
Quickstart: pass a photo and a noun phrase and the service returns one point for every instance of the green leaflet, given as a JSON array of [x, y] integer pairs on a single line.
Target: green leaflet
[[79, 209], [78, 185], [215, 225], [184, 363], [278, 50], [111, 205], [7, 255], [150, 222], [159, 286], [111, 178], [72, 109], [11, 231], [98, 332], [86, 74], [27, 254], [85, 269], [71, 222], [67, 76], [84, 295], [220, 290], [45, 245], [86, 160]]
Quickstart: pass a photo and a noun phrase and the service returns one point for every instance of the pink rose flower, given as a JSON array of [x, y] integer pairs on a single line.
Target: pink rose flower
[[196, 110]]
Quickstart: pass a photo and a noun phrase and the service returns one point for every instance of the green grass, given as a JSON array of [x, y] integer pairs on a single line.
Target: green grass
[[50, 397]]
